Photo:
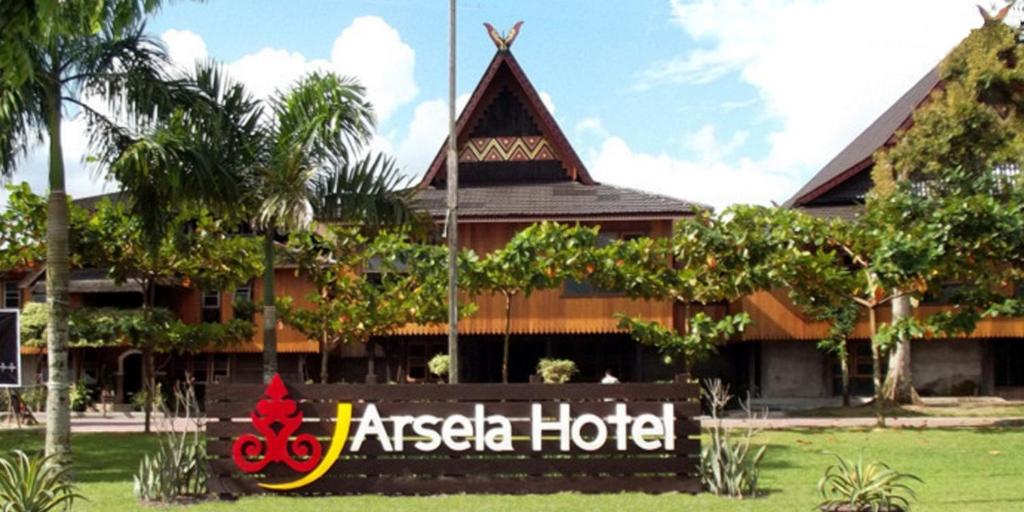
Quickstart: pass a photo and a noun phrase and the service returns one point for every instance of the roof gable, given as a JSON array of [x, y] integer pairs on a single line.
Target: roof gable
[[506, 135], [856, 159]]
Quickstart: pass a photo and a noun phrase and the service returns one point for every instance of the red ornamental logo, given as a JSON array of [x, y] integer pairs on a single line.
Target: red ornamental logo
[[276, 418]]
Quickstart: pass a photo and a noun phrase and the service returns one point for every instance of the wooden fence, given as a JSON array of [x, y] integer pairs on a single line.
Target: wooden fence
[[613, 466]]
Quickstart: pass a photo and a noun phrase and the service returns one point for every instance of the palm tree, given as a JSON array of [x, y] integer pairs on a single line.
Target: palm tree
[[58, 57], [199, 155], [310, 170]]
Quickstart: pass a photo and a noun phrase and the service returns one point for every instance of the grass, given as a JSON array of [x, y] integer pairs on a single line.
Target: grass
[[977, 470], [960, 410]]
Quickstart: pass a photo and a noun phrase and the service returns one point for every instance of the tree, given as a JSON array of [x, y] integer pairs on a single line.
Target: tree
[[709, 259], [540, 257], [56, 57], [309, 169], [363, 288], [22, 229], [953, 177], [196, 251]]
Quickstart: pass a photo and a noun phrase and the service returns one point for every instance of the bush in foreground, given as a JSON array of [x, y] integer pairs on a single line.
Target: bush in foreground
[[35, 484], [850, 486]]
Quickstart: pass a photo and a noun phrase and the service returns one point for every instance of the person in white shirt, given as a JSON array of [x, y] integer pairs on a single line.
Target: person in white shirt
[[609, 378]]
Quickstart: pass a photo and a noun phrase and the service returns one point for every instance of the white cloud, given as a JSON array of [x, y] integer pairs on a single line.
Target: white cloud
[[369, 49], [426, 133], [591, 127], [710, 182], [184, 47], [823, 70], [272, 69], [373, 51], [545, 98]]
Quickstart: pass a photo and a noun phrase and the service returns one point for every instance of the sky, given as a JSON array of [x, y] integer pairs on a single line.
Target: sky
[[713, 101]]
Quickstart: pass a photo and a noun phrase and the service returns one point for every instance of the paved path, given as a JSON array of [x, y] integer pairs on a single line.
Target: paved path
[[123, 423]]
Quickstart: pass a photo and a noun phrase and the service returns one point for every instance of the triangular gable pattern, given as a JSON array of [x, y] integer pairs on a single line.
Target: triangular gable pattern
[[531, 147]]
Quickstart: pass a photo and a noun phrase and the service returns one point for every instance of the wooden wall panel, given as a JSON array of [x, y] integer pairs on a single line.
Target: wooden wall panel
[[546, 312], [776, 318]]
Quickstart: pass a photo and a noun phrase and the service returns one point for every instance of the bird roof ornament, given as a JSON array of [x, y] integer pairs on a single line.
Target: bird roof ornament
[[503, 41], [994, 16]]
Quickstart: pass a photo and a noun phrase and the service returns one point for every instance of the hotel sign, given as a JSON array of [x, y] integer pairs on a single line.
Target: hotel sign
[[418, 439]]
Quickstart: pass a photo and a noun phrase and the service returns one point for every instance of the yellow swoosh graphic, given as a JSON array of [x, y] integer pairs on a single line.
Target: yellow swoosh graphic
[[337, 442]]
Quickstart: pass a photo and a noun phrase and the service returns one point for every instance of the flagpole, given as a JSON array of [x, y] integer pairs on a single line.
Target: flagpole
[[452, 222]]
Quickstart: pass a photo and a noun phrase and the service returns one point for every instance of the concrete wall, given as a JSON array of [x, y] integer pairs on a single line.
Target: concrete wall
[[948, 367], [793, 369]]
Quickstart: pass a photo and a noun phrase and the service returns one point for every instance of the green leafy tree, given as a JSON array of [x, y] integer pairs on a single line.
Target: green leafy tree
[[22, 229], [58, 57], [196, 250], [708, 260], [539, 257], [363, 288], [953, 178]]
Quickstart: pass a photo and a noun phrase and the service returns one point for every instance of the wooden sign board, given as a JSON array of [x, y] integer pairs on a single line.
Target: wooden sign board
[[10, 349], [448, 439]]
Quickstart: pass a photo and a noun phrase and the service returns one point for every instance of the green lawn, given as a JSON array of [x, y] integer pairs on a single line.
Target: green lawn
[[974, 470]]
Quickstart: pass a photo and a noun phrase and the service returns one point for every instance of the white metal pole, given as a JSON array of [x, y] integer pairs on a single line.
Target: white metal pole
[[452, 224]]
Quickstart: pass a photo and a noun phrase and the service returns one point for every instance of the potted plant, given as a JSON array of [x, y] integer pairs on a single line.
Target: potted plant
[[556, 371], [438, 366], [850, 486]]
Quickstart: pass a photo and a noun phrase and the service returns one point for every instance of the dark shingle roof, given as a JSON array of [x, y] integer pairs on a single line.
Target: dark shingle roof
[[864, 146], [90, 203], [558, 199]]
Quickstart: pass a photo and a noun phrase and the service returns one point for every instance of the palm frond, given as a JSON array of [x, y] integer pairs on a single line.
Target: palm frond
[[371, 191]]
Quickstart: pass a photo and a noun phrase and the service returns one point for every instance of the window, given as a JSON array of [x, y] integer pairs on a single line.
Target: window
[[211, 368], [243, 293], [244, 308], [220, 367], [12, 296], [418, 354], [211, 307]]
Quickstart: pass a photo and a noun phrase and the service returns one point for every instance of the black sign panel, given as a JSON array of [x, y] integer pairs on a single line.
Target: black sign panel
[[10, 350]]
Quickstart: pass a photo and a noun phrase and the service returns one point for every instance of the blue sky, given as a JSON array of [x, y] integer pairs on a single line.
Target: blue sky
[[717, 101]]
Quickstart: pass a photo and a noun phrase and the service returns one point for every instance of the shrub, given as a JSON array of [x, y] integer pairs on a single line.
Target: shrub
[[438, 365], [556, 371], [178, 470], [34, 398], [35, 484], [138, 400], [80, 396], [729, 464], [856, 487]]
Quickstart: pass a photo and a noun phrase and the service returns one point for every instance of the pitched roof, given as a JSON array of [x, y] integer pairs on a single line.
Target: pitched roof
[[505, 70], [550, 200], [858, 156]]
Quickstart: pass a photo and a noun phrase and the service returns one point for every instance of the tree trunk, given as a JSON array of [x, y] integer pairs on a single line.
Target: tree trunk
[[508, 333], [899, 386], [876, 367], [269, 309], [844, 367], [323, 361], [58, 403], [148, 366], [371, 366], [149, 384]]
